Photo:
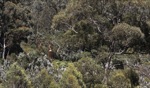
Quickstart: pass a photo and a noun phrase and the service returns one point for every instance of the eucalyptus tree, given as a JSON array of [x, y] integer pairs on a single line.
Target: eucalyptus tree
[[14, 27]]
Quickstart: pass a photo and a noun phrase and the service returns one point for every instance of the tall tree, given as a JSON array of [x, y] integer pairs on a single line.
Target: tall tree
[[14, 27]]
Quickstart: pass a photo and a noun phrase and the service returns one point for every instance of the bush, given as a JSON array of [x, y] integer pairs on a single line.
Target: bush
[[93, 73], [132, 76], [119, 80], [17, 78], [45, 80], [72, 78]]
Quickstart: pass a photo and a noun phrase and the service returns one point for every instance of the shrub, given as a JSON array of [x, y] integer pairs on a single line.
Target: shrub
[[17, 78]]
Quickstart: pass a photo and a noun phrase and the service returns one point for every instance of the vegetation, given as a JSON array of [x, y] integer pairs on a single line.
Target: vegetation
[[74, 43]]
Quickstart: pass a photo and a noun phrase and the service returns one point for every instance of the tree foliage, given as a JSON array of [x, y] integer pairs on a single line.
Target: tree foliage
[[15, 26], [125, 35], [72, 78], [17, 77], [92, 76], [74, 43]]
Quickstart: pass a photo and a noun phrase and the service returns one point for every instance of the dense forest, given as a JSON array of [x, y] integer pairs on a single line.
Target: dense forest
[[74, 43]]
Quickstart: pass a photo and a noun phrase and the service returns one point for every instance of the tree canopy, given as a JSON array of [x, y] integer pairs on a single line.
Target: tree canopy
[[74, 43]]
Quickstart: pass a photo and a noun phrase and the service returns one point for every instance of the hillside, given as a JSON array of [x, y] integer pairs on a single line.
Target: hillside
[[74, 44]]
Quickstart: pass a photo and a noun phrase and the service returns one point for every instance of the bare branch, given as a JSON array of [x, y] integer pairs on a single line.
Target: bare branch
[[95, 23], [70, 27]]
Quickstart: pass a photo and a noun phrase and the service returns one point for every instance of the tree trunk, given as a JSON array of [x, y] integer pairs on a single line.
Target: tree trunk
[[107, 67], [4, 50]]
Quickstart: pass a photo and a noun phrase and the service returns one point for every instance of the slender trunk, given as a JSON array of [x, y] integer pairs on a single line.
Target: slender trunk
[[14, 86], [107, 67], [106, 75], [4, 50]]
